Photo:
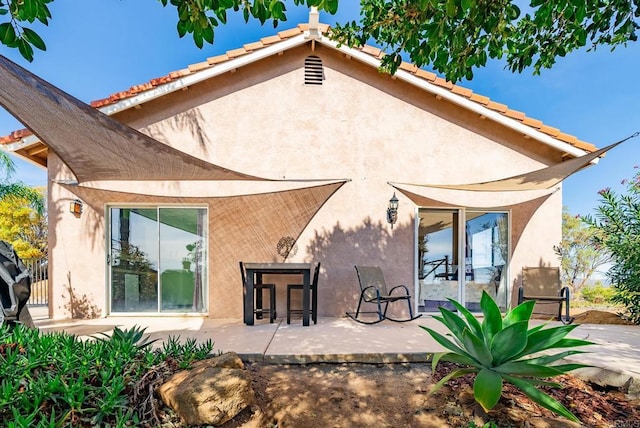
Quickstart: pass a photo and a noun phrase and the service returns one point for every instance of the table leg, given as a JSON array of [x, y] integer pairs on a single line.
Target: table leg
[[306, 300], [248, 298]]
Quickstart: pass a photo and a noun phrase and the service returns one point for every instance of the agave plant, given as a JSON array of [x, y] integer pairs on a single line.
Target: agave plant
[[501, 350]]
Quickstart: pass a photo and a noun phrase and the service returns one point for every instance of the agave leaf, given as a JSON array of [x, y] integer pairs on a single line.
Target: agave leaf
[[522, 312], [453, 375], [541, 398], [446, 342], [458, 359], [477, 348], [570, 343], [509, 342], [520, 368], [453, 322], [570, 366], [492, 322], [536, 328], [546, 339], [487, 388], [443, 322], [472, 321], [436, 359], [547, 359]]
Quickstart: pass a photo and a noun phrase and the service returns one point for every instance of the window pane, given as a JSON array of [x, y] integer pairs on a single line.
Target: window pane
[[182, 259], [486, 256], [134, 260], [437, 255]]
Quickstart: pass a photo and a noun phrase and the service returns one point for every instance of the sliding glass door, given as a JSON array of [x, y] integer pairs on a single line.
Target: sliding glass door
[[158, 259], [486, 253], [461, 253]]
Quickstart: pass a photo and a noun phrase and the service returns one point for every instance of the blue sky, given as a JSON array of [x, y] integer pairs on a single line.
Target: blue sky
[[98, 47]]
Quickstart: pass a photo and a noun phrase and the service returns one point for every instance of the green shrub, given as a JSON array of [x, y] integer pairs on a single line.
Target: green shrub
[[598, 294], [617, 220], [500, 350], [56, 379]]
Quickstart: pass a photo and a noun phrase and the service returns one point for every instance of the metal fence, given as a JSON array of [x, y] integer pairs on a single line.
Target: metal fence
[[39, 281]]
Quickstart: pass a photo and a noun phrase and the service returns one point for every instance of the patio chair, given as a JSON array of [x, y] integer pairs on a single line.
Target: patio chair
[[543, 285], [373, 289], [314, 297], [258, 289]]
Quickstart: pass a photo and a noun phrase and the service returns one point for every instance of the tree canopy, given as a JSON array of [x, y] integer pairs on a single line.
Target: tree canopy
[[15, 190], [453, 37], [23, 227], [580, 257]]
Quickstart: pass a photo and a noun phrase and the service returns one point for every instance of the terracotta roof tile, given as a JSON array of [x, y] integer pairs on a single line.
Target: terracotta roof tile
[[406, 66], [100, 103], [179, 73], [480, 99], [534, 123], [253, 46], [427, 75], [236, 53], [286, 34], [465, 92], [567, 138], [161, 80], [502, 108], [218, 59], [197, 67], [514, 114], [15, 136], [142, 87], [442, 82], [270, 40], [554, 132], [369, 50], [585, 146]]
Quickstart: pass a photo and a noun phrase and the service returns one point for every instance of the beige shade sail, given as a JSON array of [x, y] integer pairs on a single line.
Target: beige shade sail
[[521, 212], [544, 178], [93, 145], [241, 228]]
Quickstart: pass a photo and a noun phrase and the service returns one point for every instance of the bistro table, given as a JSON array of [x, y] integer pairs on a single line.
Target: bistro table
[[256, 270]]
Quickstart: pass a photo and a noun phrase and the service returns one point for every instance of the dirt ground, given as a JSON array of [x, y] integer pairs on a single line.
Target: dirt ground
[[395, 396]]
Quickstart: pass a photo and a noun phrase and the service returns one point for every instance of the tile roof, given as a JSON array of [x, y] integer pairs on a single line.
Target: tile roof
[[369, 50]]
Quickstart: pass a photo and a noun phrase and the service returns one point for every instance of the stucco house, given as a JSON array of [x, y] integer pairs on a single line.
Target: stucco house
[[310, 142]]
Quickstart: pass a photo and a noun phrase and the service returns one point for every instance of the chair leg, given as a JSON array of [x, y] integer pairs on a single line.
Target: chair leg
[[564, 293], [358, 309], [288, 305], [410, 308], [272, 309], [313, 309], [258, 293], [314, 305]]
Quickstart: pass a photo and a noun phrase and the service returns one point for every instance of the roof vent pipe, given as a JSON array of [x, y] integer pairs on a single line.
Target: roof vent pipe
[[314, 19]]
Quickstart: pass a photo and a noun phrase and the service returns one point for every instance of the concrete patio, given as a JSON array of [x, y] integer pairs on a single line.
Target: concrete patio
[[615, 357]]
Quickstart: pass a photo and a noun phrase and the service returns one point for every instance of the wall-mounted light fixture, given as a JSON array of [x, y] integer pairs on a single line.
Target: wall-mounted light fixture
[[392, 211], [75, 207]]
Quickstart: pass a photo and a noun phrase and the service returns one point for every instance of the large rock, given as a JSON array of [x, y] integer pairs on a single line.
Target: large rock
[[213, 392]]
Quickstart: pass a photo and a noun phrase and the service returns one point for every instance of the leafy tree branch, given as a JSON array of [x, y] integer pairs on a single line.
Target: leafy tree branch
[[454, 37]]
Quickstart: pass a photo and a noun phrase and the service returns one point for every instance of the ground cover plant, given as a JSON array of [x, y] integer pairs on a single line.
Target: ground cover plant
[[57, 379], [504, 350]]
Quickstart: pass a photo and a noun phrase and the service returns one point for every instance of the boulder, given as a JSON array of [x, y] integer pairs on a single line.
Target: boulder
[[213, 392]]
